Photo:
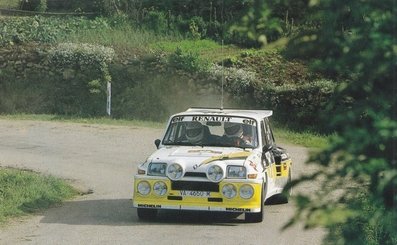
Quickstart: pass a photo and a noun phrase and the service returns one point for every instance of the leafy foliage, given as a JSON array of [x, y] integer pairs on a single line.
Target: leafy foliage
[[356, 41], [267, 80], [257, 26], [81, 96], [81, 54], [237, 81], [187, 61], [249, 77], [19, 30]]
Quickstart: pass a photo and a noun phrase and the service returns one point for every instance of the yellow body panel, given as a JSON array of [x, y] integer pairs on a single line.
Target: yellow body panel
[[236, 204], [285, 167], [280, 170]]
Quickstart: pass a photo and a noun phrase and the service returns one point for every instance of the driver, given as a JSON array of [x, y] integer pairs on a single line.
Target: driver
[[235, 133], [195, 132]]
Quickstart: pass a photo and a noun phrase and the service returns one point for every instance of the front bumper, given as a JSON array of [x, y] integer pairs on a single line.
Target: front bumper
[[174, 199]]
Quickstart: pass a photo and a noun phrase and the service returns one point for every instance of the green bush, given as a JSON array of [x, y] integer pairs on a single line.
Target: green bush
[[84, 68], [187, 61], [156, 21], [357, 170], [236, 81], [80, 54], [20, 30], [267, 80], [296, 105], [197, 27]]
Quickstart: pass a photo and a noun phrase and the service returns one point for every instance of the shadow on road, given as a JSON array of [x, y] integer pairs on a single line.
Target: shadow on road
[[119, 212]]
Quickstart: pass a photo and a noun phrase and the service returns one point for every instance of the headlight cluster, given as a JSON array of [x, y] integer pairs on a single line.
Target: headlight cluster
[[175, 171], [246, 191], [215, 173], [159, 188], [229, 191], [157, 169], [144, 188], [236, 172]]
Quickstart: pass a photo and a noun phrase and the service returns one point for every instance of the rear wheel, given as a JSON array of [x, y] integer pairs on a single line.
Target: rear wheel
[[146, 213]]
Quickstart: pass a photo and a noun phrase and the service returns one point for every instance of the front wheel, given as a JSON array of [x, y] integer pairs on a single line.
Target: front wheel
[[146, 213], [285, 196]]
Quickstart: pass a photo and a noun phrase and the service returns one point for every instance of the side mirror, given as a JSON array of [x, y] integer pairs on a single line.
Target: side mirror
[[157, 143], [267, 148]]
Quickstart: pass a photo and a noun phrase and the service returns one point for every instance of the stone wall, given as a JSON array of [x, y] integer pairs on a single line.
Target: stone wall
[[22, 59]]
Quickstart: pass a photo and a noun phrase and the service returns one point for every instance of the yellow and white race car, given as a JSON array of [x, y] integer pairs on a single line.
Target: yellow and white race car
[[213, 160]]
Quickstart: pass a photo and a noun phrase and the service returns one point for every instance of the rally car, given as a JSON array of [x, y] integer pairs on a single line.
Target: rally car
[[213, 160]]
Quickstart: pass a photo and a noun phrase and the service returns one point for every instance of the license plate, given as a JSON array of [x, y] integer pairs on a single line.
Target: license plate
[[195, 193]]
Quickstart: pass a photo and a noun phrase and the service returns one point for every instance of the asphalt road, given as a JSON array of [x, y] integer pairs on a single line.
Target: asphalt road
[[102, 160]]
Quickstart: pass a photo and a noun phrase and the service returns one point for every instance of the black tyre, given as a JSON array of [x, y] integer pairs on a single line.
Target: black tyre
[[146, 213], [286, 195], [289, 192]]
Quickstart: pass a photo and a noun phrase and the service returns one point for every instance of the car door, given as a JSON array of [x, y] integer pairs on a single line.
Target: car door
[[282, 163], [267, 155]]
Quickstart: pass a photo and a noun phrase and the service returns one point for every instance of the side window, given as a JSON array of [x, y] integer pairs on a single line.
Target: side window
[[267, 133], [175, 132], [265, 142]]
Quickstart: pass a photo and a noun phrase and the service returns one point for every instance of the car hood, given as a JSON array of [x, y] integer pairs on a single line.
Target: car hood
[[195, 157]]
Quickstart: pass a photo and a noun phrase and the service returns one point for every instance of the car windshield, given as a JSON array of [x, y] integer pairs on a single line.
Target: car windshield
[[212, 130]]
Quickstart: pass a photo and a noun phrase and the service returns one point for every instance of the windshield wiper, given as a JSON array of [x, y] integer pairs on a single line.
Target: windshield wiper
[[178, 143]]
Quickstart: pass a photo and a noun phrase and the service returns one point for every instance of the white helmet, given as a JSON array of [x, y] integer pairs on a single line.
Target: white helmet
[[194, 132], [233, 129]]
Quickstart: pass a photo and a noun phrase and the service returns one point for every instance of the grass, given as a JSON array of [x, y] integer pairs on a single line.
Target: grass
[[23, 192], [207, 49], [306, 139], [130, 39], [71, 119], [125, 37]]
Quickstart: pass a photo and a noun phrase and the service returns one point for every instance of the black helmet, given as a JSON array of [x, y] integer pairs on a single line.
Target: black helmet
[[194, 132], [233, 129]]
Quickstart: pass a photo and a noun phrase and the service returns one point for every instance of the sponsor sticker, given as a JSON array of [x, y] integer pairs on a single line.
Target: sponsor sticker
[[149, 206], [239, 209], [214, 118]]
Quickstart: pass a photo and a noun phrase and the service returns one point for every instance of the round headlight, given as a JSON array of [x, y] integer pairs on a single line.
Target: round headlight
[[160, 188], [246, 191], [175, 171], [144, 187], [215, 173], [229, 191]]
